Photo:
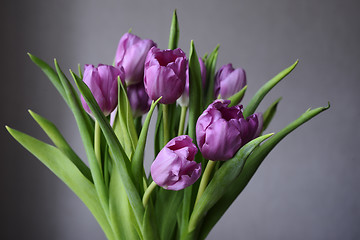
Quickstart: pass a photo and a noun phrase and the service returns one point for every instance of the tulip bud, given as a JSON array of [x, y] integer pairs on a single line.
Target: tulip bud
[[103, 84], [165, 74], [174, 167], [183, 101], [229, 81], [139, 100], [131, 54], [221, 131]]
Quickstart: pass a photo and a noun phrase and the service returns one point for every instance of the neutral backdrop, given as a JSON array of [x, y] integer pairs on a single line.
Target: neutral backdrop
[[307, 188]]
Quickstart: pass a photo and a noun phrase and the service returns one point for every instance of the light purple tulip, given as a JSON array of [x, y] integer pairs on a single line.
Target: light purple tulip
[[131, 54], [139, 100], [103, 84], [174, 167], [165, 74], [222, 130], [229, 81], [184, 98]]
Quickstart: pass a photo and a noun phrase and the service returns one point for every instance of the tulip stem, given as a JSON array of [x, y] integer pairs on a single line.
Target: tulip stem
[[148, 192], [205, 179], [182, 120], [97, 139], [165, 109]]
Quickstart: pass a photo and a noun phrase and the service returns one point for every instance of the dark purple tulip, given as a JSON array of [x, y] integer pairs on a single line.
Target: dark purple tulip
[[139, 100], [102, 81], [131, 54], [174, 167], [229, 81], [165, 74], [184, 98], [221, 131]]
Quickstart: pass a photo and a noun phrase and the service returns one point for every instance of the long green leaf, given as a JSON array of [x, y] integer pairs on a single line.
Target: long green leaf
[[137, 162], [166, 206], [261, 93], [120, 209], [87, 138], [195, 90], [249, 170], [55, 80], [222, 179], [117, 152], [174, 32], [65, 169], [57, 138], [270, 113], [195, 108], [51, 74]]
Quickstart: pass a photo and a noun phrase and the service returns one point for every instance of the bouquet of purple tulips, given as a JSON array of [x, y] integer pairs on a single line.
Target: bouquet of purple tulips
[[207, 146]]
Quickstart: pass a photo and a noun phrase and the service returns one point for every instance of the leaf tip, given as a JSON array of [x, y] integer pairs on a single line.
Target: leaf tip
[[328, 106]]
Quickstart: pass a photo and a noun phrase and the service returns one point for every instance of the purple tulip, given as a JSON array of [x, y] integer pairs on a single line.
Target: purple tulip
[[174, 167], [184, 98], [222, 130], [103, 84], [165, 74], [139, 100], [131, 54], [229, 81]]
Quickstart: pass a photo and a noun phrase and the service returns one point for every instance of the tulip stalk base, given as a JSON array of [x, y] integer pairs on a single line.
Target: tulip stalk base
[[165, 110], [148, 192], [205, 179], [182, 120]]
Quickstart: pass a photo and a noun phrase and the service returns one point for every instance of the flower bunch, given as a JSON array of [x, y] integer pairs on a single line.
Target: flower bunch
[[207, 144]]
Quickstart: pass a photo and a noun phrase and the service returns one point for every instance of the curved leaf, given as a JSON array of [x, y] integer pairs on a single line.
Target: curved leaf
[[261, 93], [249, 170]]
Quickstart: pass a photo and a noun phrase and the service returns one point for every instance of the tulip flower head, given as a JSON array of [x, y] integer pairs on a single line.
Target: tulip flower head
[[229, 81], [139, 100], [103, 84], [174, 167], [222, 130], [165, 74], [131, 54]]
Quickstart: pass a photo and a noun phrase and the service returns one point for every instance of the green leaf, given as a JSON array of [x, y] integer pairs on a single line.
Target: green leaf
[[124, 123], [137, 163], [251, 165], [221, 181], [65, 169], [166, 206], [195, 90], [261, 93], [121, 161], [87, 138], [149, 224], [54, 134], [269, 114], [174, 32], [51, 74], [120, 209], [210, 65], [237, 97]]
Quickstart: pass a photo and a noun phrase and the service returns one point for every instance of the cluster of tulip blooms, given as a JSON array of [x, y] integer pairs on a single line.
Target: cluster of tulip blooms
[[109, 112]]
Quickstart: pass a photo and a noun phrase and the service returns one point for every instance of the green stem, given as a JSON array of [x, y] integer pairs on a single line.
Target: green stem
[[165, 109], [205, 179], [148, 192], [182, 120]]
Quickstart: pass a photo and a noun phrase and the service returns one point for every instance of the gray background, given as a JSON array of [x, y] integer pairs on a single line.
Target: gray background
[[308, 187]]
